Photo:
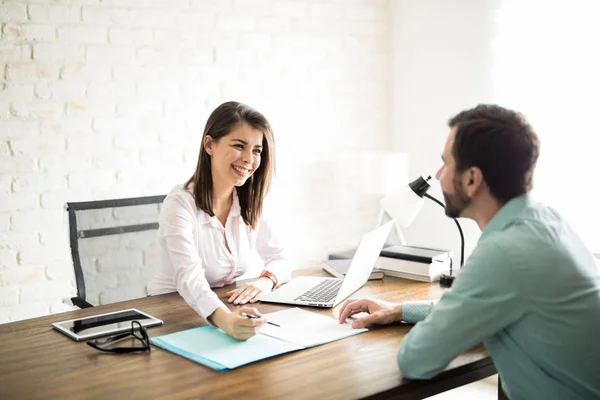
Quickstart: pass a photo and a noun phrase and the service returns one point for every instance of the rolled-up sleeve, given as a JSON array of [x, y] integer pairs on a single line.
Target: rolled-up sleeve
[[415, 311], [176, 229], [272, 252]]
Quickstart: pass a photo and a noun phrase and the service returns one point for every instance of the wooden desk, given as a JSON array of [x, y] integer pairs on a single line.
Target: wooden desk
[[38, 362]]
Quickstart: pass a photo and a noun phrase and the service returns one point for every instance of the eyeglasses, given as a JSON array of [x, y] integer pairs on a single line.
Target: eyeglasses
[[137, 331]]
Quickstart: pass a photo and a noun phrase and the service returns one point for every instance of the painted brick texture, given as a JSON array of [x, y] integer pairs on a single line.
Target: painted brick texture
[[108, 99]]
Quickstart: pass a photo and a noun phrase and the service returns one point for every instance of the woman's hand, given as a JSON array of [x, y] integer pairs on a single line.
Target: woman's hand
[[381, 312], [237, 326], [250, 292]]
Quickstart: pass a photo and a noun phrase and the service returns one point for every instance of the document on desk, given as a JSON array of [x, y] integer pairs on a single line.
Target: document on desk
[[306, 328], [297, 330]]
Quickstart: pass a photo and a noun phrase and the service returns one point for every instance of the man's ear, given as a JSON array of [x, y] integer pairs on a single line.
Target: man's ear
[[208, 144], [474, 178]]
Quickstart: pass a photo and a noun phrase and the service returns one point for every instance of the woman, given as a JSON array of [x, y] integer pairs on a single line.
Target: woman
[[212, 230]]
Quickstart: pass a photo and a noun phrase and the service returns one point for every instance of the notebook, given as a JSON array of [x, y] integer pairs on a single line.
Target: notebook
[[298, 329], [329, 292]]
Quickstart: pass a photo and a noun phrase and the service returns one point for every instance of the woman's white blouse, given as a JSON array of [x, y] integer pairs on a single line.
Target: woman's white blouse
[[195, 258]]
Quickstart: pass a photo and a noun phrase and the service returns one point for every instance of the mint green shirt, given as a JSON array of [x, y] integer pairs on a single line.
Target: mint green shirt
[[531, 293]]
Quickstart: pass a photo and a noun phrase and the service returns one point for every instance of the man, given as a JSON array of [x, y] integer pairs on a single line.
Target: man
[[530, 290]]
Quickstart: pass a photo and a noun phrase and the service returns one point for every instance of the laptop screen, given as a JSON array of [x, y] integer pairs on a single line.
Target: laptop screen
[[364, 260]]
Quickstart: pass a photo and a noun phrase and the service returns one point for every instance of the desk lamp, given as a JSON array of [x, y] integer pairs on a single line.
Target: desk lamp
[[404, 204]]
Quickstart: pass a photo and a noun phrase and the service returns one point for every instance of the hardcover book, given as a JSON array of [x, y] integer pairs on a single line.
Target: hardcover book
[[414, 277], [414, 253], [413, 267]]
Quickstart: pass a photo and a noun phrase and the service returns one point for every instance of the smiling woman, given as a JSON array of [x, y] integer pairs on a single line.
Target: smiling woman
[[233, 159], [212, 229]]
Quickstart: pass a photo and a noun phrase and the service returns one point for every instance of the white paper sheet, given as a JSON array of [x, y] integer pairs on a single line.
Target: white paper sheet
[[306, 328]]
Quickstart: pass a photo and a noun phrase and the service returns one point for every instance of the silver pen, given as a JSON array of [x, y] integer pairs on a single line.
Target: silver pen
[[252, 316]]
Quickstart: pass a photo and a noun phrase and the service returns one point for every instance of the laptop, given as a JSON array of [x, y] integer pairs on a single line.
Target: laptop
[[329, 292]]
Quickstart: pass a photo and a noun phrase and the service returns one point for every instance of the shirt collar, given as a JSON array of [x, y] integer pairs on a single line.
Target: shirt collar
[[235, 205], [234, 212], [507, 214]]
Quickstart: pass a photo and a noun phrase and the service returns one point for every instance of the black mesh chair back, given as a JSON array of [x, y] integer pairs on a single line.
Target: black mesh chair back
[[114, 246]]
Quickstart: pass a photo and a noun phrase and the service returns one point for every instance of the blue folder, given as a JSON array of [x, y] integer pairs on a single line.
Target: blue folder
[[213, 348], [293, 329]]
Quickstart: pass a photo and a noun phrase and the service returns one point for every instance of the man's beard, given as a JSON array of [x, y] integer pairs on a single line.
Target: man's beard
[[457, 202]]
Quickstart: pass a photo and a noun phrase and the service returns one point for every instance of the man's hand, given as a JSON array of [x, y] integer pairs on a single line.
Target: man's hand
[[236, 326], [250, 292], [381, 312]]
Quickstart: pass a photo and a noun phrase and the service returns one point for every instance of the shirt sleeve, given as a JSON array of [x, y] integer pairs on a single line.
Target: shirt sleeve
[[272, 252], [483, 300], [415, 311], [176, 228]]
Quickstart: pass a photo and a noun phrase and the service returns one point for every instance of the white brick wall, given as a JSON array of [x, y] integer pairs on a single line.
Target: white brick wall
[[108, 98]]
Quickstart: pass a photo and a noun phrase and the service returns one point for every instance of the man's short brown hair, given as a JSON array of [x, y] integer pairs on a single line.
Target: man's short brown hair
[[501, 143]]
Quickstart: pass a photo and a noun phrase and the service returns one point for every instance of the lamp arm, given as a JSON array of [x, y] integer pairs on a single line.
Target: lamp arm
[[462, 237]]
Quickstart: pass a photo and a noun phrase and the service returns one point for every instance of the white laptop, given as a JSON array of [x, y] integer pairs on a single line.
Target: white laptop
[[329, 292]]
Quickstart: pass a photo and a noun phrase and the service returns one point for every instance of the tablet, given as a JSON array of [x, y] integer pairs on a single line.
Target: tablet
[[104, 324]]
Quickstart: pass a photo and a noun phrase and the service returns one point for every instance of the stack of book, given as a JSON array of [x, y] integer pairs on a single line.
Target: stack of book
[[417, 263]]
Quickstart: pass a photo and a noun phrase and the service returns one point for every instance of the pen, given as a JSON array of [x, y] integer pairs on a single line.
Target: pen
[[252, 316]]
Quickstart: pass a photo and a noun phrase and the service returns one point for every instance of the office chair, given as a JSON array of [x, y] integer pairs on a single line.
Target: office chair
[[114, 247]]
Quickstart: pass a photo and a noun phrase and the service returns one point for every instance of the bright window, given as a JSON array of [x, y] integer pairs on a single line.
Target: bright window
[[547, 65]]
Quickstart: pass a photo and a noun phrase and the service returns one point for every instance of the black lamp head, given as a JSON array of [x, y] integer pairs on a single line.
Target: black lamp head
[[420, 185]]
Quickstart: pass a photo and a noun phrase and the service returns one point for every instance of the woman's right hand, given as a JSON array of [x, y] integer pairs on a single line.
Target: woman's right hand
[[237, 326]]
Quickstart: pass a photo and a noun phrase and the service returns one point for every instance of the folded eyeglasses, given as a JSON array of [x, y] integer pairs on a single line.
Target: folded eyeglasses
[[138, 331]]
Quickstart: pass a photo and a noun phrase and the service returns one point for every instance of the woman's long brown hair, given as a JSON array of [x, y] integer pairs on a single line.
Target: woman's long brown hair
[[221, 122]]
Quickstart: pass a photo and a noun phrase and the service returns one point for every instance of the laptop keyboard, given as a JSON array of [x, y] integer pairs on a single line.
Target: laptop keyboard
[[323, 292]]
